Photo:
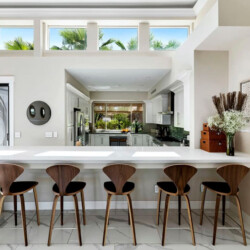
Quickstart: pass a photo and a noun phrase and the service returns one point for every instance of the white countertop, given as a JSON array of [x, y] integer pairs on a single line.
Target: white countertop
[[103, 155]]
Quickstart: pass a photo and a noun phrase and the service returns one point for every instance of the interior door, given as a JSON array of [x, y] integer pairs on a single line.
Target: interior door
[[4, 115]]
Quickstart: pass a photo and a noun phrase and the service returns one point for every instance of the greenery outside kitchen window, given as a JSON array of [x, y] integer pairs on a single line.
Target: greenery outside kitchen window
[[167, 38], [17, 38], [67, 38], [117, 116]]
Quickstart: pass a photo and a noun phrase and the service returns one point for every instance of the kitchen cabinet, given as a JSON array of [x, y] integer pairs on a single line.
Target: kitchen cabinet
[[147, 140], [179, 106], [137, 140], [70, 136], [101, 140], [72, 102]]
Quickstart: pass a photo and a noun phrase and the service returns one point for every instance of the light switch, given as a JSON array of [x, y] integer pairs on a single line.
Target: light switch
[[17, 134], [48, 134], [55, 134]]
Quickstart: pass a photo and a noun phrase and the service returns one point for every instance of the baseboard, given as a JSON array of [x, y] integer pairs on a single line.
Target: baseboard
[[91, 205]]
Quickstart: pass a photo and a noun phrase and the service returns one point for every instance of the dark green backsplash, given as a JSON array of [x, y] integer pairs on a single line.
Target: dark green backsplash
[[178, 133]]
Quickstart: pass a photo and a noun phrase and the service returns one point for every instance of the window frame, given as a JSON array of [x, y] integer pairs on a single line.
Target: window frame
[[168, 27], [47, 36], [118, 27]]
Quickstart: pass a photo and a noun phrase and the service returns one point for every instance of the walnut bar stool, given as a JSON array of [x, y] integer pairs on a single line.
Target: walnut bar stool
[[63, 176], [233, 175], [119, 174], [180, 175], [8, 175]]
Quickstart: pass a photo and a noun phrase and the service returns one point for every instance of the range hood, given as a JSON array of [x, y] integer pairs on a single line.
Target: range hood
[[169, 110]]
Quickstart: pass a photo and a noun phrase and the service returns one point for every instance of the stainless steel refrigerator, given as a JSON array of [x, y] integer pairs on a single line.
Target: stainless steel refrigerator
[[81, 128]]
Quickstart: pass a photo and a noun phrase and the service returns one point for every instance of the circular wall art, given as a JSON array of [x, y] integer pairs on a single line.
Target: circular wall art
[[38, 113]]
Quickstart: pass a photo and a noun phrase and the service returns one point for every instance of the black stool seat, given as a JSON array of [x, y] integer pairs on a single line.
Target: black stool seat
[[128, 186], [217, 186], [73, 187], [22, 186], [169, 186]]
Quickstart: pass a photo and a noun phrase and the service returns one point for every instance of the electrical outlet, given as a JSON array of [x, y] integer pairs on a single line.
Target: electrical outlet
[[156, 189], [202, 188]]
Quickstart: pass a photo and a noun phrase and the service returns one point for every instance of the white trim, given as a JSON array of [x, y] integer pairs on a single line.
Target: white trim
[[77, 92], [199, 6], [10, 80], [92, 205]]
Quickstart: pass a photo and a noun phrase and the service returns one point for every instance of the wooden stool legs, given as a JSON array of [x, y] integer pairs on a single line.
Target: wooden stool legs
[[24, 220], [165, 219], [15, 208], [52, 218], [158, 207], [217, 206], [132, 223], [61, 209], [223, 209], [241, 220], [78, 220], [190, 219], [37, 207], [1, 203], [179, 210], [106, 219], [83, 208]]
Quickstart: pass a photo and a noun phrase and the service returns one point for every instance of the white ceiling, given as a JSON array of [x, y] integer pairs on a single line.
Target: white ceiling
[[118, 79], [100, 3]]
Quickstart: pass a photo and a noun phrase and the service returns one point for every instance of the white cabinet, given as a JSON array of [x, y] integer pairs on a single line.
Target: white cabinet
[[147, 140], [72, 102], [148, 111], [101, 140], [70, 136], [137, 140], [179, 106]]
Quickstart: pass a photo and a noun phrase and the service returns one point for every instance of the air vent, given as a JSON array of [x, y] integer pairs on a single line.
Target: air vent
[[153, 91]]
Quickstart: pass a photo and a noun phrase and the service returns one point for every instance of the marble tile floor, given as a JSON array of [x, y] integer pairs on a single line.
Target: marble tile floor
[[119, 235]]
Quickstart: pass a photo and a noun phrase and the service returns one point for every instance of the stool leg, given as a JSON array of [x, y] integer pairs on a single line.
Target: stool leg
[[241, 220], [78, 220], [158, 207], [223, 209], [132, 223], [128, 216], [52, 218], [1, 203], [217, 206], [83, 208], [106, 219], [179, 210], [190, 219], [24, 220], [61, 209], [37, 207], [15, 208], [165, 219], [202, 204]]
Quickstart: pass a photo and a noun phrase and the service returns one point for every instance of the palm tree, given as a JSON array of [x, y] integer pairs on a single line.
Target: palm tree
[[158, 45], [133, 44], [19, 44], [172, 44]]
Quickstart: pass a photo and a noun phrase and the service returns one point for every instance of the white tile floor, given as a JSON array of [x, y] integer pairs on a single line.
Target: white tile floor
[[119, 235]]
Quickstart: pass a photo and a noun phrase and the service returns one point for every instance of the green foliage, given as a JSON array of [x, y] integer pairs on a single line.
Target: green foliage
[[133, 44], [19, 44], [113, 124], [123, 121], [100, 124], [158, 45]]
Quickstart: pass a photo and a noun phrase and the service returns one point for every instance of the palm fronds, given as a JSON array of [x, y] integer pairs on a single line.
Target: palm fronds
[[19, 44]]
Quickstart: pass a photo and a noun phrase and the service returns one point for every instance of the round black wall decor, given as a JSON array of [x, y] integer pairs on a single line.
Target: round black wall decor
[[38, 113]]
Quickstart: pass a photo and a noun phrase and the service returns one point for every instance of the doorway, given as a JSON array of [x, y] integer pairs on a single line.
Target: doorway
[[6, 111]]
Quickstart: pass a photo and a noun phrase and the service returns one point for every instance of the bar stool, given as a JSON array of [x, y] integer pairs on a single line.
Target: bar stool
[[180, 175], [63, 175], [119, 174], [8, 175], [233, 175]]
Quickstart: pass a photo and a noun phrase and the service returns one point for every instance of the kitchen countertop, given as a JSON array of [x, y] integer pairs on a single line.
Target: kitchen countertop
[[146, 157]]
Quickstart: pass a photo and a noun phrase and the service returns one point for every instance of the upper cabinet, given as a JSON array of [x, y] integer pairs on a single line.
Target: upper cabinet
[[157, 109]]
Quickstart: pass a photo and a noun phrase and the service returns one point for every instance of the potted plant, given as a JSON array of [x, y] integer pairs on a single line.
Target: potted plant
[[230, 117]]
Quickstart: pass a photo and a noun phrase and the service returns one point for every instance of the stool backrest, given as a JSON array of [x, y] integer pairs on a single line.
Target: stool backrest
[[62, 175], [180, 175], [8, 174], [119, 174], [233, 175]]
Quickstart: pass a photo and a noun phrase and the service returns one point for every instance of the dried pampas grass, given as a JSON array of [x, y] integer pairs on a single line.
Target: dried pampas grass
[[229, 101]]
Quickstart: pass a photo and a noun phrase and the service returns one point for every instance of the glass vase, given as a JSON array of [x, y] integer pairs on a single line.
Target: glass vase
[[230, 144]]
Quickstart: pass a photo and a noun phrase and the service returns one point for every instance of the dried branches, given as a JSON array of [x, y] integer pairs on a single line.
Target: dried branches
[[230, 101]]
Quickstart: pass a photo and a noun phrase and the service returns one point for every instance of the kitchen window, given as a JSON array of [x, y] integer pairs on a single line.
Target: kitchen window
[[118, 39], [167, 38], [67, 38], [117, 116], [16, 38]]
